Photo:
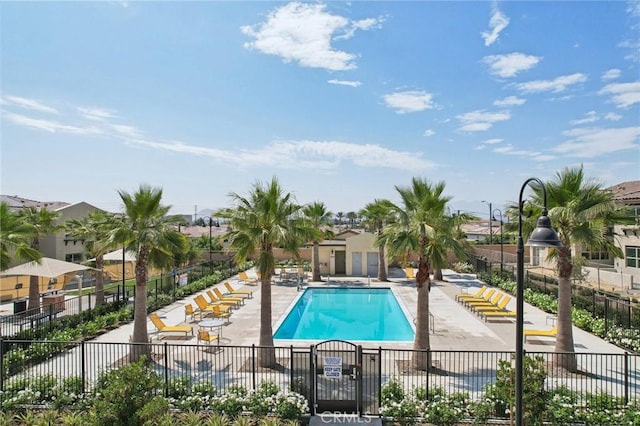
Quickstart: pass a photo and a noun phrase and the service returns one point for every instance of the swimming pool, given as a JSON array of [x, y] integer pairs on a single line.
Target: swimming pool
[[368, 314]]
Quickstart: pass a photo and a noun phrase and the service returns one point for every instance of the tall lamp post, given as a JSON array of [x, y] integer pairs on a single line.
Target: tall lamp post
[[542, 236], [490, 222], [210, 259], [501, 240]]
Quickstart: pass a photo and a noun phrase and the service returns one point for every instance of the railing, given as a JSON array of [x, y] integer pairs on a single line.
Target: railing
[[224, 366]]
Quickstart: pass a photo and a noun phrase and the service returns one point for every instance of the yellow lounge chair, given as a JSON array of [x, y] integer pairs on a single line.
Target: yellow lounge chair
[[479, 293], [189, 311], [205, 336], [246, 279], [502, 306], [497, 314], [232, 291], [163, 328], [487, 297], [541, 333], [218, 301], [410, 273], [492, 302], [206, 306], [226, 299]]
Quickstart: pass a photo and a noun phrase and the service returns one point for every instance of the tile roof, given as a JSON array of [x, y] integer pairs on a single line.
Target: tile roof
[[626, 192]]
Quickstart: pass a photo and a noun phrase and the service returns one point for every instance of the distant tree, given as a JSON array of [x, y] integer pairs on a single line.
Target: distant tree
[[94, 230], [339, 218], [352, 216], [15, 239], [319, 218], [42, 222], [376, 215]]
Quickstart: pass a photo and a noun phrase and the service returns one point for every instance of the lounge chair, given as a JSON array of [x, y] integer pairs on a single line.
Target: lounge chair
[[240, 293], [245, 278], [492, 302], [190, 311], [479, 293], [410, 273], [205, 336], [541, 333], [487, 297], [163, 328], [497, 314], [215, 300], [208, 307], [226, 299], [499, 307]]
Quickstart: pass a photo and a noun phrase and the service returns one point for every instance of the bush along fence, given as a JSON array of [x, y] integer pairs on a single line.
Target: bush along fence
[[330, 376]]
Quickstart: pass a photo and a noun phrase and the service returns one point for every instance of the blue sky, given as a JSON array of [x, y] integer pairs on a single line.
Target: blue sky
[[340, 100]]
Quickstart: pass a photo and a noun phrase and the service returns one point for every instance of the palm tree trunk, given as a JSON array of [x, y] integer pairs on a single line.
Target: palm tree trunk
[[382, 265], [437, 274], [421, 344], [267, 352], [99, 282], [564, 355], [140, 339], [34, 295], [316, 262]]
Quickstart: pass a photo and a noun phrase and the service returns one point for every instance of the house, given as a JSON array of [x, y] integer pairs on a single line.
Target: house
[[350, 253]]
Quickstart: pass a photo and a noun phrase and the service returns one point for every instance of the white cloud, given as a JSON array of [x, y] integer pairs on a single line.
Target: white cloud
[[409, 101], [611, 74], [429, 132], [364, 24], [345, 82], [480, 120], [612, 116], [93, 113], [50, 125], [497, 23], [509, 150], [493, 141], [592, 142], [589, 117], [303, 32], [622, 94], [558, 84], [509, 101], [510, 64], [31, 104]]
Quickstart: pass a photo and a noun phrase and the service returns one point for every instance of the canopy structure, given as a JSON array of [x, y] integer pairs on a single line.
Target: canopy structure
[[50, 268], [116, 255]]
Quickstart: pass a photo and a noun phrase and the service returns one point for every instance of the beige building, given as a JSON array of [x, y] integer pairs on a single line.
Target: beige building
[[351, 253]]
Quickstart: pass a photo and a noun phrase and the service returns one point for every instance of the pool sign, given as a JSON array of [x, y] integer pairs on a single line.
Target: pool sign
[[332, 366]]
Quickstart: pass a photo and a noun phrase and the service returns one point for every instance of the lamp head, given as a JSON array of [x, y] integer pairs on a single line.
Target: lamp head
[[544, 235]]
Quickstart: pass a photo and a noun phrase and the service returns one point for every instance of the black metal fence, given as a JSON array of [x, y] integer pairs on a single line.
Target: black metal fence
[[331, 375], [616, 311]]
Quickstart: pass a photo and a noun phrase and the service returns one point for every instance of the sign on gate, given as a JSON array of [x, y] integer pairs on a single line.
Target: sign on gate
[[332, 366]]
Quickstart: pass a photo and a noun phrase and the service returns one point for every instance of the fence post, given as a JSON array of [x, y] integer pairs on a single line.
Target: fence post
[[312, 381], [253, 366], [1, 364], [83, 374], [626, 378], [380, 377], [606, 314], [51, 317], [292, 369], [166, 370]]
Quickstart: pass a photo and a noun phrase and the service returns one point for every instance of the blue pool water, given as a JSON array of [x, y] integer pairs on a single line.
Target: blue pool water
[[346, 314]]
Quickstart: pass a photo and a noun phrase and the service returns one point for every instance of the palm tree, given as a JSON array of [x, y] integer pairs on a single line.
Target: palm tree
[[352, 219], [42, 222], [15, 239], [318, 216], [449, 240], [419, 221], [266, 219], [340, 218], [94, 231], [146, 230], [376, 215], [581, 212]]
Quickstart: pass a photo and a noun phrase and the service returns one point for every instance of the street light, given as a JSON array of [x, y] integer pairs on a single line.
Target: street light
[[542, 236], [490, 222], [210, 260], [501, 241]]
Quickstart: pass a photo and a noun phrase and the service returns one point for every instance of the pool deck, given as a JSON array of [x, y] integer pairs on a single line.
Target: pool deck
[[455, 327]]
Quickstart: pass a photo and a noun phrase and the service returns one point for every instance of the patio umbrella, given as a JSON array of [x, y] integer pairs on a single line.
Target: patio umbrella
[[47, 267], [129, 256]]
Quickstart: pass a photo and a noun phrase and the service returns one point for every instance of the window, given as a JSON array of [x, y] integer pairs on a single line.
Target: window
[[632, 256], [595, 255], [73, 257]]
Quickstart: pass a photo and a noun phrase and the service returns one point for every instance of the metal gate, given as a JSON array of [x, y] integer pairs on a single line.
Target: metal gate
[[338, 377]]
